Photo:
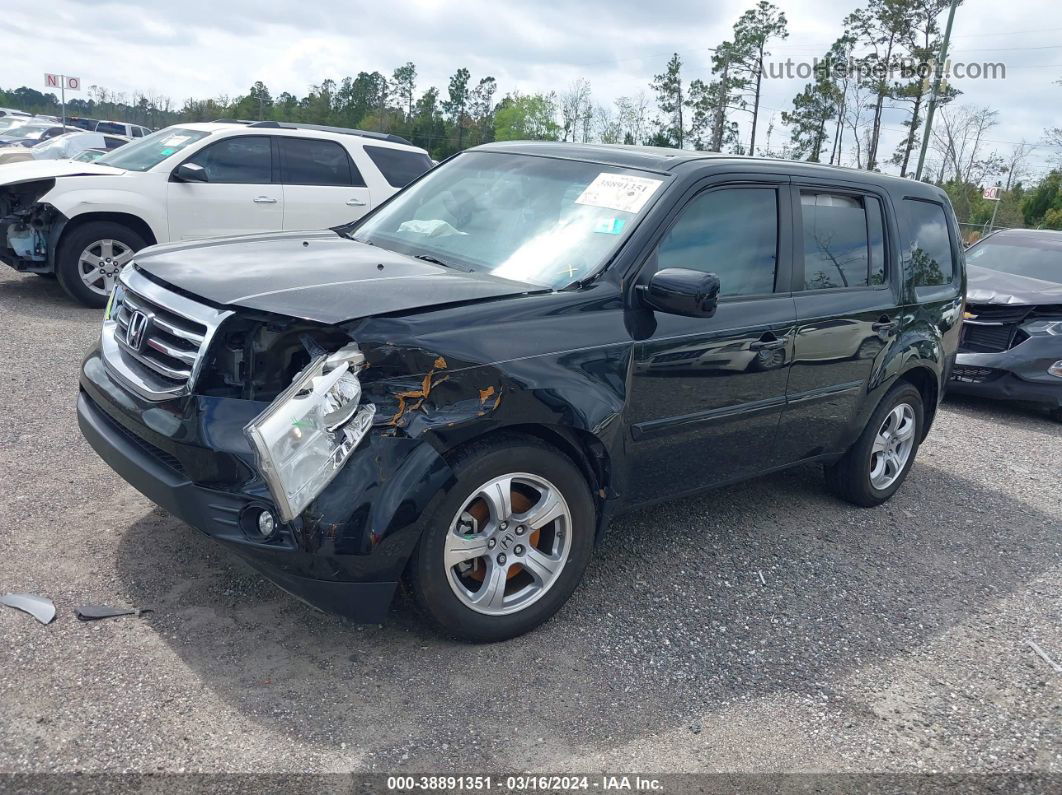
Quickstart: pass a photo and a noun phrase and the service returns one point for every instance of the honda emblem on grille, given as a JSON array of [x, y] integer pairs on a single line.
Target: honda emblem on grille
[[134, 332]]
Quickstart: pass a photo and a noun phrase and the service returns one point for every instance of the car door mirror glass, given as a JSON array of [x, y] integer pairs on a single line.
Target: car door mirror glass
[[190, 172], [681, 291]]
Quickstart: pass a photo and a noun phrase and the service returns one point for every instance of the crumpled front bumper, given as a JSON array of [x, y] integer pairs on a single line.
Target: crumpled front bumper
[[1016, 374], [345, 553]]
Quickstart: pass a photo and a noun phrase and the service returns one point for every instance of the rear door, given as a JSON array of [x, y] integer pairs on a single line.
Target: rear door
[[707, 393], [239, 197], [322, 185], [846, 286]]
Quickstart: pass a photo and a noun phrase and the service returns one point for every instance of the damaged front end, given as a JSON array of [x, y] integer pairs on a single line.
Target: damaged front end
[[26, 225], [307, 434]]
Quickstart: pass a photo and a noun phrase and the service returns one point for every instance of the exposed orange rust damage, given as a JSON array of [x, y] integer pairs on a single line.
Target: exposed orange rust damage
[[418, 395], [484, 394]]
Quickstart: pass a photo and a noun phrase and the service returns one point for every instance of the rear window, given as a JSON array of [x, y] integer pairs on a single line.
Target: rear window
[[931, 259], [310, 161], [843, 241], [399, 167], [114, 128]]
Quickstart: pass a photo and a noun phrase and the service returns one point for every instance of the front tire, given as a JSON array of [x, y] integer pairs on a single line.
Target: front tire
[[877, 464], [505, 548], [90, 258]]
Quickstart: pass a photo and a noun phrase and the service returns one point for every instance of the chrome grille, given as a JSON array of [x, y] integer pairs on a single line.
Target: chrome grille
[[156, 339]]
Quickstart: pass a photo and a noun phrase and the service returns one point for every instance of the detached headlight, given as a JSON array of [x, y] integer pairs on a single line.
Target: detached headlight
[[306, 435]]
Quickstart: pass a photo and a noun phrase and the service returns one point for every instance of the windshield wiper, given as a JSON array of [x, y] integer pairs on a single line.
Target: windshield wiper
[[437, 261]]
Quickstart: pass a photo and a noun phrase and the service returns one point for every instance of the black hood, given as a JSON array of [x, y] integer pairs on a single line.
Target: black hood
[[317, 276], [985, 286]]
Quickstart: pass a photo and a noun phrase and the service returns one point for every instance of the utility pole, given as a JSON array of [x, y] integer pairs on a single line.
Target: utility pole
[[936, 89]]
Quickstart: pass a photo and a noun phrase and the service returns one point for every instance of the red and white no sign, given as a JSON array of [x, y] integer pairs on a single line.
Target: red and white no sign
[[62, 81]]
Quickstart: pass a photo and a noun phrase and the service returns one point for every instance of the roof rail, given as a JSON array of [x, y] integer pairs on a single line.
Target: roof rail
[[380, 136], [232, 121]]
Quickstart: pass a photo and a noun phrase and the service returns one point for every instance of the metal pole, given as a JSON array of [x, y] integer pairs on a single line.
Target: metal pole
[[936, 90], [995, 209], [63, 92]]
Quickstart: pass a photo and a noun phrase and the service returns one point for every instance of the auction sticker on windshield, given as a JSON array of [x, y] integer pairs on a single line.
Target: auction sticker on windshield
[[619, 192]]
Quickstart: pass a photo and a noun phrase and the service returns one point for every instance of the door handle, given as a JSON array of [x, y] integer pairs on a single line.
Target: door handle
[[884, 324], [355, 203], [768, 342], [264, 200]]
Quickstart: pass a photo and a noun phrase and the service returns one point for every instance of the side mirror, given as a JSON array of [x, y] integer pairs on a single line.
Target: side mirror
[[681, 291], [190, 172]]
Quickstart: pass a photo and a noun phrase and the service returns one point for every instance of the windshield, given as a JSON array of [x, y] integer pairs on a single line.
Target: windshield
[[531, 219], [12, 121], [60, 143], [26, 131], [1037, 259], [152, 150]]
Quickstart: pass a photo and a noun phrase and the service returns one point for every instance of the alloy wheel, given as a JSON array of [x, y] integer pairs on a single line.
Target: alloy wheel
[[892, 446], [100, 262], [508, 544]]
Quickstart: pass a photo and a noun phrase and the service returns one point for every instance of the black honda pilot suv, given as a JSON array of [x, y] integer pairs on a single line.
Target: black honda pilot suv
[[463, 388]]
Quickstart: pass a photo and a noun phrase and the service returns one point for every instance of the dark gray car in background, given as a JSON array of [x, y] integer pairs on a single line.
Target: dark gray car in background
[[1011, 344]]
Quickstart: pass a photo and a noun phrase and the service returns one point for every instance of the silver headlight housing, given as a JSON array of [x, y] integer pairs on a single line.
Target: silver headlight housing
[[306, 435]]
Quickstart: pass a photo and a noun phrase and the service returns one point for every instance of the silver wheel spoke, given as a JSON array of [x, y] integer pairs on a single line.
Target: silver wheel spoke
[[91, 259], [499, 496], [124, 257], [542, 567], [491, 595], [459, 549], [547, 509], [107, 249], [90, 277], [891, 450], [880, 443]]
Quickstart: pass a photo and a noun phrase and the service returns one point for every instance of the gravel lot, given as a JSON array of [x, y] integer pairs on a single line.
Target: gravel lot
[[883, 640]]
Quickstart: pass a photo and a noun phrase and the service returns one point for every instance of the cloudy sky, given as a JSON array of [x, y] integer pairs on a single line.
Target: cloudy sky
[[200, 48]]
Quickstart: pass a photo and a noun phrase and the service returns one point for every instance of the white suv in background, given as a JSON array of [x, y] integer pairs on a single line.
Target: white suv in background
[[84, 221]]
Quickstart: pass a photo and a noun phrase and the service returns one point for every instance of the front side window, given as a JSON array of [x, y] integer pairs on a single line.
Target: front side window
[[309, 161], [844, 241], [930, 259], [538, 220], [399, 166], [733, 233], [153, 149], [245, 160]]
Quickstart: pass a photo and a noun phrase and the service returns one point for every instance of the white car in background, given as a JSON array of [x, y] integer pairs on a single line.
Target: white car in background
[[84, 221], [61, 147]]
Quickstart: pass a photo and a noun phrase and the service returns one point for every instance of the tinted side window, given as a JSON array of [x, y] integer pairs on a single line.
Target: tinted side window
[[732, 233], [110, 127], [836, 245], [138, 132], [398, 166], [876, 231], [112, 143], [247, 160], [310, 161], [930, 257]]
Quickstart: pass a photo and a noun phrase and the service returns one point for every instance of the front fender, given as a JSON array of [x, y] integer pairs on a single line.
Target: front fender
[[84, 201]]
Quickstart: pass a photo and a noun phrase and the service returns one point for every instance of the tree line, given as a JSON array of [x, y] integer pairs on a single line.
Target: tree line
[[881, 62]]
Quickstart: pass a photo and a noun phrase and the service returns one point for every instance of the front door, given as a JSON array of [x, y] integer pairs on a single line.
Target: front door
[[848, 309], [706, 393], [238, 198]]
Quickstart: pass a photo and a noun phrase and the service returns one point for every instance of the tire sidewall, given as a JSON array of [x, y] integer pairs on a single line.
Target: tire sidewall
[[66, 265], [429, 578]]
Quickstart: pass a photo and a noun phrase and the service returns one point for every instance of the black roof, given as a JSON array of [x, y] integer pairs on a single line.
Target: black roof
[[667, 160]]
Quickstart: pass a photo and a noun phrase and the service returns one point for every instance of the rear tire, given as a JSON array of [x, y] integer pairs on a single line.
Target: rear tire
[[488, 567], [877, 464], [104, 245]]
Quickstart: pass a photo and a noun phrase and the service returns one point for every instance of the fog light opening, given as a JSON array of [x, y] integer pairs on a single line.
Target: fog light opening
[[259, 523], [1055, 369], [267, 525]]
